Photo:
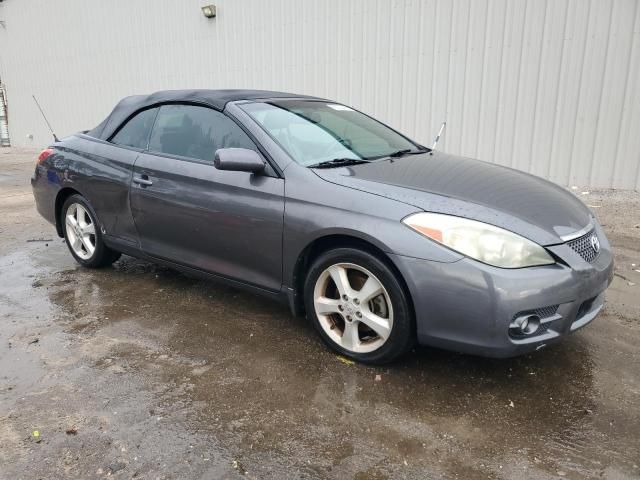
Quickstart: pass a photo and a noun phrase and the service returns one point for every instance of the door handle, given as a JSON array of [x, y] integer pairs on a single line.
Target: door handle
[[142, 181]]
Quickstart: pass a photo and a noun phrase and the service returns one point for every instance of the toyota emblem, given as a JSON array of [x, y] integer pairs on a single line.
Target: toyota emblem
[[595, 243]]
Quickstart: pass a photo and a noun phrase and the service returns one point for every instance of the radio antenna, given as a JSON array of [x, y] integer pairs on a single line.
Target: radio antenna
[[435, 142], [45, 119]]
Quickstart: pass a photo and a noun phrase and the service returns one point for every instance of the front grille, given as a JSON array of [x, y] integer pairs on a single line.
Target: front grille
[[546, 312], [542, 312], [544, 327], [582, 246]]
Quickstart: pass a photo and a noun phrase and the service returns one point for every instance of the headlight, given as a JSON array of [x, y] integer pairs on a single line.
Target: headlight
[[481, 241]]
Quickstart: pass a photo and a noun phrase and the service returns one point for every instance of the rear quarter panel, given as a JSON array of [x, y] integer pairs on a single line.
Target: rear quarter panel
[[99, 171], [46, 183]]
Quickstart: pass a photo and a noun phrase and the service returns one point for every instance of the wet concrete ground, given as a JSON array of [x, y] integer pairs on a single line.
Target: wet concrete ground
[[137, 371]]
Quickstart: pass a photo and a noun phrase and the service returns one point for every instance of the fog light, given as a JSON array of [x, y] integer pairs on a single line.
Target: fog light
[[522, 323], [525, 325]]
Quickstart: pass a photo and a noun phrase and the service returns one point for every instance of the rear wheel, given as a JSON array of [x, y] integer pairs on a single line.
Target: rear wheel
[[358, 306], [82, 234]]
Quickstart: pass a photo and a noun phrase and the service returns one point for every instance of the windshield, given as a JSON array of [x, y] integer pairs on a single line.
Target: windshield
[[312, 132]]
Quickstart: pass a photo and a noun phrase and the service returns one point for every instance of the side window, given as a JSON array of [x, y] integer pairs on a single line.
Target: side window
[[135, 132], [195, 132]]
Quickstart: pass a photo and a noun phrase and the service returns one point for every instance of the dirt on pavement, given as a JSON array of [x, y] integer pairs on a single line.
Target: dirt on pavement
[[137, 371]]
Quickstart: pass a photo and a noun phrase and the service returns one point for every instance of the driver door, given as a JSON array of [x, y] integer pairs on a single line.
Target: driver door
[[188, 212]]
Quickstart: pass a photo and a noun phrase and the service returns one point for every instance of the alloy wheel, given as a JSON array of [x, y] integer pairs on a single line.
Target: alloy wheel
[[80, 231], [353, 307]]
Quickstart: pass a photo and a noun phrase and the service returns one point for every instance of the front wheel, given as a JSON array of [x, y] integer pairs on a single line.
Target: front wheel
[[358, 306], [82, 234]]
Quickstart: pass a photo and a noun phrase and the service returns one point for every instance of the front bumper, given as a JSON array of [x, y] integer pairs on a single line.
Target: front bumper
[[467, 306]]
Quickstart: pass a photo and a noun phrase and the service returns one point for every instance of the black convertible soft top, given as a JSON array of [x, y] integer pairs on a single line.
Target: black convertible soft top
[[217, 99]]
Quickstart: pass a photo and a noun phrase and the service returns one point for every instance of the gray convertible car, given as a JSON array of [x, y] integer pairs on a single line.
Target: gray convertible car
[[380, 241]]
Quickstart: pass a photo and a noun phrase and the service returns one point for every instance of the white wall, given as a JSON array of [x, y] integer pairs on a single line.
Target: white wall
[[551, 87]]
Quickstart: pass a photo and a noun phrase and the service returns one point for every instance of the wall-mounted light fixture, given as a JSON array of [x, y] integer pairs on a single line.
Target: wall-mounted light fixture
[[209, 11]]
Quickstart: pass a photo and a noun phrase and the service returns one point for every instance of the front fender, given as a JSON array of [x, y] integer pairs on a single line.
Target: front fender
[[352, 213]]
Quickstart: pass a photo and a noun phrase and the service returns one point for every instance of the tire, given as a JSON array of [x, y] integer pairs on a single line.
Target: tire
[[84, 234], [346, 325]]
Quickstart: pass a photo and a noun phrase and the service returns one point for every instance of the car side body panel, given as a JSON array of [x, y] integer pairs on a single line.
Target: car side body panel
[[101, 172], [225, 222], [336, 210]]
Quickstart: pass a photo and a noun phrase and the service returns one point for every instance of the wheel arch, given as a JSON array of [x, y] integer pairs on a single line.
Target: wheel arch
[[329, 242], [61, 197]]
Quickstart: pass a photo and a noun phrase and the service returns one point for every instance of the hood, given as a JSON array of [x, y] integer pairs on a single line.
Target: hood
[[527, 205]]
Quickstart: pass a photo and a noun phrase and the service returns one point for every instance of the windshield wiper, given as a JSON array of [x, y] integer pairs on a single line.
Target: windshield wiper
[[338, 162], [401, 153], [407, 151]]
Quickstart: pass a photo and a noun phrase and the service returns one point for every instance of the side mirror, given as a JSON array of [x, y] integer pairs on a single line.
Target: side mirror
[[239, 160]]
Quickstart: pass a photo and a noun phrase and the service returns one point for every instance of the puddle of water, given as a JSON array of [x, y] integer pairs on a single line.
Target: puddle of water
[[253, 376], [185, 372]]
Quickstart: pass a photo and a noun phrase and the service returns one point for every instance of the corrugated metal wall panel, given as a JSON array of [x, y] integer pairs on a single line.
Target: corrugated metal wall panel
[[628, 145], [547, 86]]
